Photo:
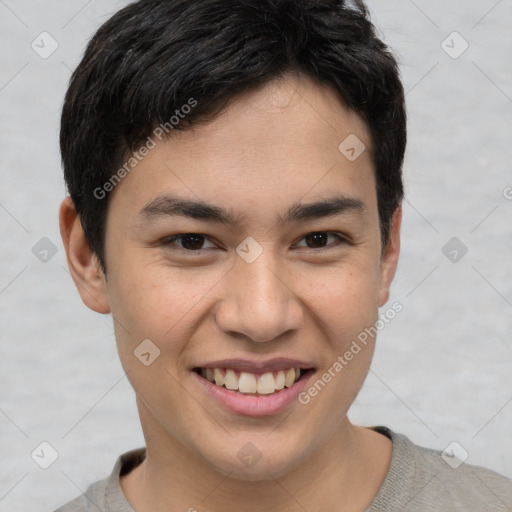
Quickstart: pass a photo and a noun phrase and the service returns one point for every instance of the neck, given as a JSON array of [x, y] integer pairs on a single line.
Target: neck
[[343, 474]]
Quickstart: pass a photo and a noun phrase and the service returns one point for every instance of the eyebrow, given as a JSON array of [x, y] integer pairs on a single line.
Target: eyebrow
[[173, 206]]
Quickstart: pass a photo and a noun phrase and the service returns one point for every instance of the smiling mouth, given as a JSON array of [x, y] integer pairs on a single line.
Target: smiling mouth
[[247, 383]]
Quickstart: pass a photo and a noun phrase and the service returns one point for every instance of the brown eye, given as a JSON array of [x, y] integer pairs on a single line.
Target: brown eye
[[189, 241], [318, 239]]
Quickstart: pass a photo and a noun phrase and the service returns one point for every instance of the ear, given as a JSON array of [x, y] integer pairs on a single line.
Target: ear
[[389, 258], [83, 263]]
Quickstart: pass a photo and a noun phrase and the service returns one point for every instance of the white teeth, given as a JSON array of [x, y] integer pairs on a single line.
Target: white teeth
[[230, 380], [290, 378], [280, 380], [266, 384], [246, 382], [219, 378]]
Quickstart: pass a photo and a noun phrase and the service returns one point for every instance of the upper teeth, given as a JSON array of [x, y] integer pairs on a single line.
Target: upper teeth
[[245, 382]]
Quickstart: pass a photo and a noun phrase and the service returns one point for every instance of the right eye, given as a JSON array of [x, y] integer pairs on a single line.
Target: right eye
[[190, 242]]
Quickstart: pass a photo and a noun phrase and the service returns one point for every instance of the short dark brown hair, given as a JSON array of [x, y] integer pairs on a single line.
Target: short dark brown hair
[[147, 61]]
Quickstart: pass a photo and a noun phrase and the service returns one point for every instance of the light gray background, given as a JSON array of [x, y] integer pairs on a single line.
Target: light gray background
[[442, 368]]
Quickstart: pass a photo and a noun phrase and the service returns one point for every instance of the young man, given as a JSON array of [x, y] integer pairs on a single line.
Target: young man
[[234, 171]]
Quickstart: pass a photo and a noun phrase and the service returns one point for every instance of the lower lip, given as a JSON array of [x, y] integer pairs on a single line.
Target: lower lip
[[249, 405]]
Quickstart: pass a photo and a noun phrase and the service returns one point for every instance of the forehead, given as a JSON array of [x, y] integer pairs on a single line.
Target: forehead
[[273, 146], [310, 112]]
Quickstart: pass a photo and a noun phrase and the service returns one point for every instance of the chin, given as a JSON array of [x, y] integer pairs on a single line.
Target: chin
[[252, 464]]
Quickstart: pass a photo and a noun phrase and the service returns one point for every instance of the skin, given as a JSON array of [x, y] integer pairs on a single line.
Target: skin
[[269, 148]]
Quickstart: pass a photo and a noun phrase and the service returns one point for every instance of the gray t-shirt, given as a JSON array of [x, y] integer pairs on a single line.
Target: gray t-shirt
[[418, 480]]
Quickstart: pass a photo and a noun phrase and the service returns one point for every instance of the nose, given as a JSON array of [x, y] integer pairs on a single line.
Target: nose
[[258, 301]]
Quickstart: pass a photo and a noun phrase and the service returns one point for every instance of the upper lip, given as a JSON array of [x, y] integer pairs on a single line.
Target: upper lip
[[251, 366]]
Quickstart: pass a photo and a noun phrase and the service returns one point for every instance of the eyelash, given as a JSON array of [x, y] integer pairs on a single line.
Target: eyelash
[[341, 240]]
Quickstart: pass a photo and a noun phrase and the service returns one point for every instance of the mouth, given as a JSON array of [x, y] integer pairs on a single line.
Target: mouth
[[254, 384], [253, 388]]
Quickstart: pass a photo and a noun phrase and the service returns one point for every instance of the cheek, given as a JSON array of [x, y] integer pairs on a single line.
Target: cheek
[[345, 306], [347, 311], [345, 300], [149, 301], [153, 311]]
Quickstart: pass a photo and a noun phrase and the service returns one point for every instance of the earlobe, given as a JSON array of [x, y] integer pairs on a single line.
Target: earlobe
[[390, 257], [82, 261]]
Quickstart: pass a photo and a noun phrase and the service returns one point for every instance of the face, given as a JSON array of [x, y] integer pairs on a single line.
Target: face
[[259, 283]]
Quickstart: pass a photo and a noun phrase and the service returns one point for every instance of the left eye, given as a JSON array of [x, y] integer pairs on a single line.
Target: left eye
[[320, 238]]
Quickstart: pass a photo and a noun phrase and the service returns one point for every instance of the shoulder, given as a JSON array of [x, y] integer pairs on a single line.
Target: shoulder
[[423, 479], [464, 486], [92, 500], [106, 495]]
